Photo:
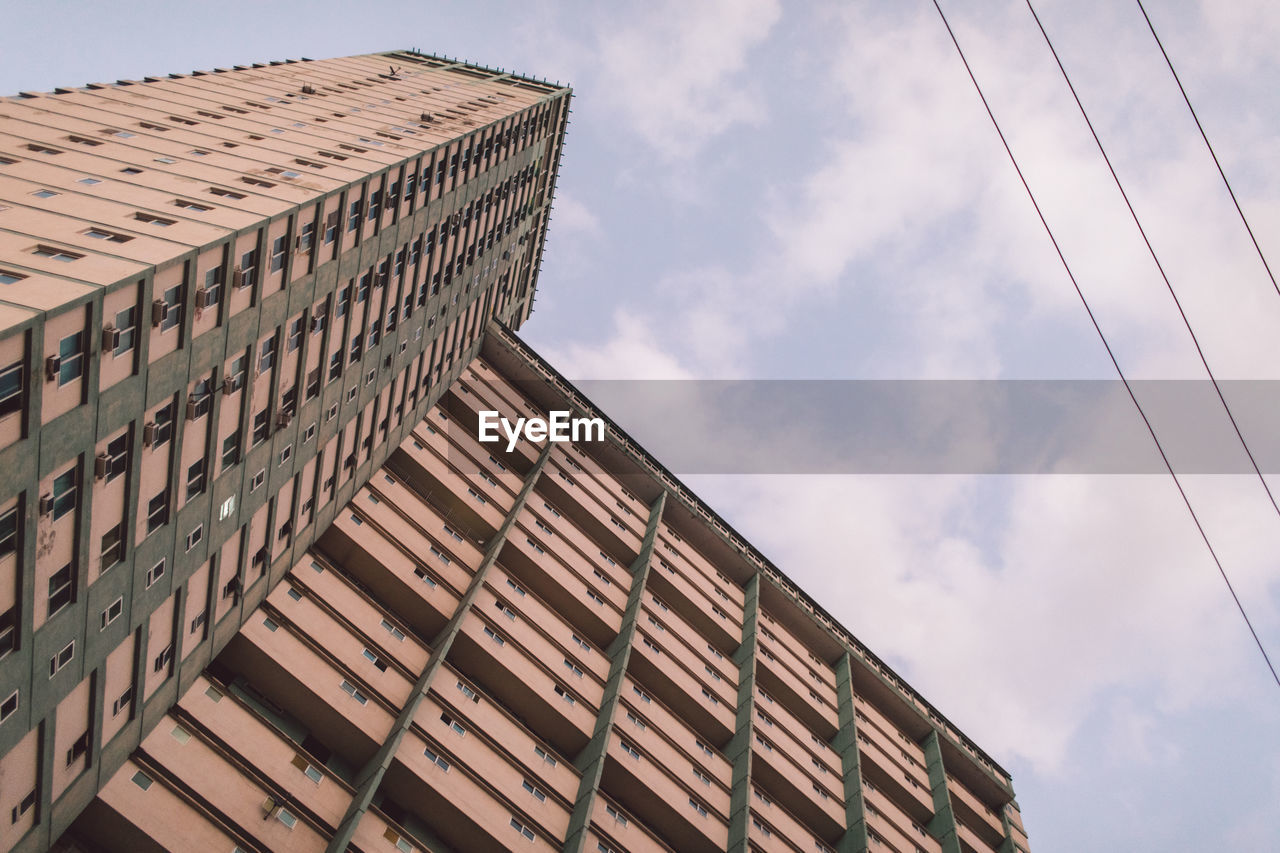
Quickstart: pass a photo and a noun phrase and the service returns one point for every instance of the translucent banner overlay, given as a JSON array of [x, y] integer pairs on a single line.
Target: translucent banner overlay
[[939, 426]]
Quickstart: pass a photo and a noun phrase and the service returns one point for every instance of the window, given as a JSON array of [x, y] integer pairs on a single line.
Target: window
[[375, 660], [436, 759], [7, 277], [545, 756], [163, 426], [534, 791], [55, 254], [71, 358], [174, 298], [629, 749], [287, 818], [498, 638], [163, 659], [698, 807], [45, 193], [158, 512], [572, 667], [142, 780], [9, 706], [112, 547], [62, 658], [62, 588], [267, 354], [522, 829], [257, 479], [109, 236], [231, 450], [277, 254], [195, 479], [194, 537], [8, 534], [117, 457], [468, 692], [454, 725], [352, 691], [218, 191], [396, 633], [11, 389], [151, 219], [261, 427], [155, 572]]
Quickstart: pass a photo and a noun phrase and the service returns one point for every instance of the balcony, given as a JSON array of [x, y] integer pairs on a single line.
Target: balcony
[[310, 687], [647, 791], [815, 798], [890, 814], [665, 678], [579, 598], [424, 599], [519, 681], [620, 832], [798, 697], [456, 801], [499, 727], [654, 743], [694, 604], [535, 611]]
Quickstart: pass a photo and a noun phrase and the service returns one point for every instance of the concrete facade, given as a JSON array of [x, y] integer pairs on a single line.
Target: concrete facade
[[556, 648], [225, 297]]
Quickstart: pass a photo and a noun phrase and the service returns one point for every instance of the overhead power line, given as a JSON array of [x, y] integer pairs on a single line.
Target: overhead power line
[[1209, 145], [1106, 345]]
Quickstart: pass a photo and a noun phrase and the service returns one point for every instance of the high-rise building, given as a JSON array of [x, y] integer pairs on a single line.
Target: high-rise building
[[398, 637], [226, 297], [553, 648]]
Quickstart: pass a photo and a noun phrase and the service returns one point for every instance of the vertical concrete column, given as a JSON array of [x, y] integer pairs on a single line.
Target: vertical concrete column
[[739, 750], [370, 775], [590, 762], [855, 839], [943, 824]]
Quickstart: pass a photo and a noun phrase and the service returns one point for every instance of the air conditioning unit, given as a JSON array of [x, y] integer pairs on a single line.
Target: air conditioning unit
[[237, 277], [317, 322], [110, 338], [101, 466], [282, 419], [193, 409], [350, 461], [228, 386], [46, 504], [308, 89], [52, 365], [158, 309], [202, 298], [386, 362], [427, 117], [149, 434], [260, 556]]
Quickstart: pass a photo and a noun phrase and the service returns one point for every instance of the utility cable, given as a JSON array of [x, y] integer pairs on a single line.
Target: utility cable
[[1106, 345], [1209, 145], [1156, 260]]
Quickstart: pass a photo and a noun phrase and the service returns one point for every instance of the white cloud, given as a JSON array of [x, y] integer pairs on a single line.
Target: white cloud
[[1017, 623], [631, 351], [675, 71]]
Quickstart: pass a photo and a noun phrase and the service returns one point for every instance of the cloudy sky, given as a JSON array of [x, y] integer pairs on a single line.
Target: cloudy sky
[[761, 189]]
